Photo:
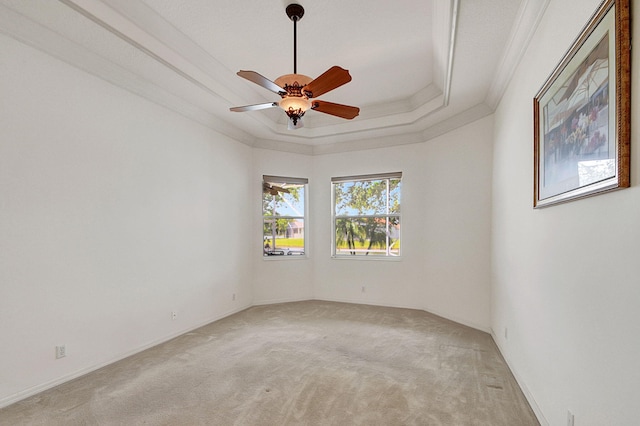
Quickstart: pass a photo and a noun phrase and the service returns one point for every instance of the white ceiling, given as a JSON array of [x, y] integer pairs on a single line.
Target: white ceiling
[[420, 68]]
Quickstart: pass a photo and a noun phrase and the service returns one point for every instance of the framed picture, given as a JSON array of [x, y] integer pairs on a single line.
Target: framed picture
[[582, 113]]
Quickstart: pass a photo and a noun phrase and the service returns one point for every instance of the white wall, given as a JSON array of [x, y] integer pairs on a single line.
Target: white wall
[[278, 279], [445, 267], [113, 213], [446, 192], [565, 278]]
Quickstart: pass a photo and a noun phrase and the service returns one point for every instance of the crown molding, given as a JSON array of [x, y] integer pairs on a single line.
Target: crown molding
[[384, 138], [39, 37], [137, 24], [400, 122]]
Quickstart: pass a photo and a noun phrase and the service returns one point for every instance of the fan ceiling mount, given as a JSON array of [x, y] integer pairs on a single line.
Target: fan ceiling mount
[[297, 90]]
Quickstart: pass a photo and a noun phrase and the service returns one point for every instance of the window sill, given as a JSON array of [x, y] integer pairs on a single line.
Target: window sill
[[369, 258], [285, 257]]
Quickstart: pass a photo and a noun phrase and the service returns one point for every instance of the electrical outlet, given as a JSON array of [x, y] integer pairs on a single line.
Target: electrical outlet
[[233, 297], [363, 289], [570, 420], [61, 351], [174, 315], [506, 333]]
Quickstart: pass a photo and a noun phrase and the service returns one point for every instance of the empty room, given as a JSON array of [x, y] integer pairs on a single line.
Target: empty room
[[269, 212]]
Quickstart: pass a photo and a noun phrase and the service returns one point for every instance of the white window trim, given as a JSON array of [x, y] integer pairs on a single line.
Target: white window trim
[[283, 179], [375, 176]]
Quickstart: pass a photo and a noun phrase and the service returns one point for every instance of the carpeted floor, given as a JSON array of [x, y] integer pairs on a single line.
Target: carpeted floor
[[303, 363]]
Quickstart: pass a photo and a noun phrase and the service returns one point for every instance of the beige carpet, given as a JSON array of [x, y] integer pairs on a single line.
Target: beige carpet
[[305, 363]]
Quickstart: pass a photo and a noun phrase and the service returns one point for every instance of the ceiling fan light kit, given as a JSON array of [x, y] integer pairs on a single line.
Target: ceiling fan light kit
[[297, 90]]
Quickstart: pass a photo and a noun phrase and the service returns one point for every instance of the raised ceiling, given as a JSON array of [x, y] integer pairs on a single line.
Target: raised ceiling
[[420, 68]]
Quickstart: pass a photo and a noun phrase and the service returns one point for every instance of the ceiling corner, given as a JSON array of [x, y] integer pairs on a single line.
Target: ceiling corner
[[524, 26]]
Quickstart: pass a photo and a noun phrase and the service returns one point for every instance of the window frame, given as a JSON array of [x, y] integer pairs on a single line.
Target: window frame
[[386, 215], [283, 180]]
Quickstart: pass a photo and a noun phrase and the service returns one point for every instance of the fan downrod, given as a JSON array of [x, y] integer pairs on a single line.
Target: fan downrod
[[295, 12], [296, 89]]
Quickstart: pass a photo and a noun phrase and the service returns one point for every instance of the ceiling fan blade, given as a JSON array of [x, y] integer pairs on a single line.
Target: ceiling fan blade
[[339, 110], [261, 81], [254, 107], [279, 189], [332, 78], [273, 189]]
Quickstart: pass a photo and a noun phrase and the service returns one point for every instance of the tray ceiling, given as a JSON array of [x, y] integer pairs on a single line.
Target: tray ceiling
[[420, 68]]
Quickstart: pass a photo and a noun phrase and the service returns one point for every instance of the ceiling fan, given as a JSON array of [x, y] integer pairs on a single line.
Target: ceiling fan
[[297, 90], [273, 189]]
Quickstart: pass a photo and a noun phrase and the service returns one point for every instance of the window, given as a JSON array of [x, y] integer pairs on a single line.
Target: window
[[366, 215], [283, 216]]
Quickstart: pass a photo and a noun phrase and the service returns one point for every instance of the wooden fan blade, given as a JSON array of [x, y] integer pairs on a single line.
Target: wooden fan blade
[[279, 189], [332, 78], [273, 189], [339, 110], [253, 107], [267, 189], [261, 81]]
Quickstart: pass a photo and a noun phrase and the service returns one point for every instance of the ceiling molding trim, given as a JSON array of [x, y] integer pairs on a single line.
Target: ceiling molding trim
[[529, 16], [53, 44], [366, 144], [404, 121], [452, 44], [403, 112], [344, 130], [426, 94], [140, 26], [386, 132], [274, 145], [465, 117]]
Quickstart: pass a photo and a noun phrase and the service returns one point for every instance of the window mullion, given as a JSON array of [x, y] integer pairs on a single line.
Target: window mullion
[[387, 218], [284, 216], [367, 228], [366, 216], [274, 224]]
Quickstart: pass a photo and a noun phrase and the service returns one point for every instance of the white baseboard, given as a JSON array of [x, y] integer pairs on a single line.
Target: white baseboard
[[459, 320], [48, 385], [276, 301], [525, 390], [11, 399], [420, 308]]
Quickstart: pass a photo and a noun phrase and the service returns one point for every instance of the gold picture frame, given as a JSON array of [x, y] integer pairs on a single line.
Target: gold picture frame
[[582, 113]]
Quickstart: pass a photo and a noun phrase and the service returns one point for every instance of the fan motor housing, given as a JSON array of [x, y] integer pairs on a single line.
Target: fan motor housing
[[296, 90], [295, 12], [293, 79]]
